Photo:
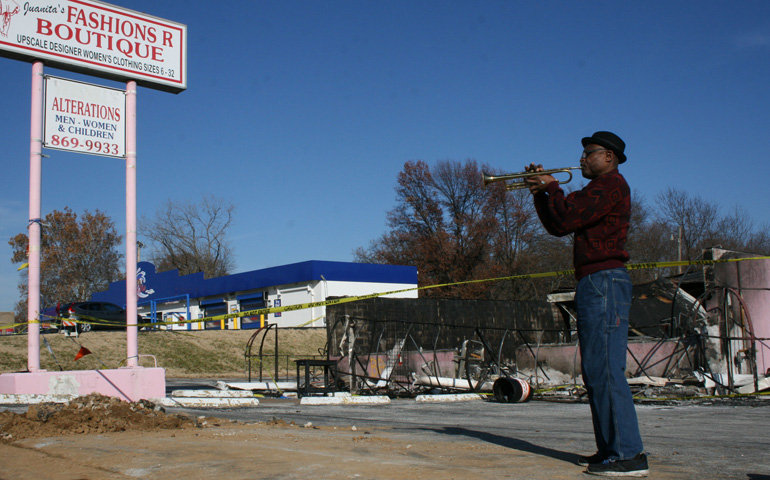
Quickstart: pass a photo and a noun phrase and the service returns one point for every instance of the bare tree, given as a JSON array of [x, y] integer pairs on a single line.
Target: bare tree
[[192, 237], [443, 223], [649, 240], [695, 218], [738, 231], [703, 226], [453, 229]]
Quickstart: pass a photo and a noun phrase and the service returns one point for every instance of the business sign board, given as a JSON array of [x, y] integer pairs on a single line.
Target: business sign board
[[98, 39], [84, 118]]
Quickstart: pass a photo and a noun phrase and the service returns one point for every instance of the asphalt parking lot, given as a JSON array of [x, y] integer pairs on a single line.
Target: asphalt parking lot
[[684, 440], [703, 439]]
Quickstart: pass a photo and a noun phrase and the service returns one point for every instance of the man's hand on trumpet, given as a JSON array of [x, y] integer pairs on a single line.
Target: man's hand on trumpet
[[537, 183]]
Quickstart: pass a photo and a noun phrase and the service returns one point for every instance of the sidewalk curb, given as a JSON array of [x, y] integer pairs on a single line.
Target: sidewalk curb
[[345, 400], [34, 398], [191, 402], [238, 398], [456, 397]]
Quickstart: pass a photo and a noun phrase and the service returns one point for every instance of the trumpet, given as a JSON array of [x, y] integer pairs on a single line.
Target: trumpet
[[524, 175]]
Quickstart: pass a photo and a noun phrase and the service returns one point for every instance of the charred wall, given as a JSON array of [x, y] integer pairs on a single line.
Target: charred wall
[[441, 324]]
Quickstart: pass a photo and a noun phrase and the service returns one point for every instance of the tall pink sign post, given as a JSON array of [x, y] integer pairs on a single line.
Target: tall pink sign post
[[35, 196], [132, 354], [108, 41]]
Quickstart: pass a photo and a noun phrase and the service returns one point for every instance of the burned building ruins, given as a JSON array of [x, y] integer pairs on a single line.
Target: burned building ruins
[[708, 328]]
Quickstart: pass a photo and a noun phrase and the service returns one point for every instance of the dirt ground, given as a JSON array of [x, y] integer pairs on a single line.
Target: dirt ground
[[96, 437]]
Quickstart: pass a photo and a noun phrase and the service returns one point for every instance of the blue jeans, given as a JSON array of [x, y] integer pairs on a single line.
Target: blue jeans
[[603, 300]]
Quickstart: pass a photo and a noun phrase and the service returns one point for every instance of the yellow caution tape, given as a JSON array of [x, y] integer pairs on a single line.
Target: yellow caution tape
[[310, 321], [337, 301]]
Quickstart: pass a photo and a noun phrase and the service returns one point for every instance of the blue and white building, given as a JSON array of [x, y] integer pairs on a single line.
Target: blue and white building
[[168, 297]]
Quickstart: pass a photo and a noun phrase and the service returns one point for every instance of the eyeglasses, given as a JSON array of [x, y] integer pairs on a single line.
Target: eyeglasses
[[588, 153]]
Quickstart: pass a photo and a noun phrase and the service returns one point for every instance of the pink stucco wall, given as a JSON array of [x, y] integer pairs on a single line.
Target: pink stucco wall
[[751, 279], [129, 384]]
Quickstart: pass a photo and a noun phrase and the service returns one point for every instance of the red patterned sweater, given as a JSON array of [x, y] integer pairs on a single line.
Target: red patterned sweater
[[598, 216]]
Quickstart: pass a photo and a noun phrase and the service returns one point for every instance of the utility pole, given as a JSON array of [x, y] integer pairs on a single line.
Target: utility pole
[[679, 242]]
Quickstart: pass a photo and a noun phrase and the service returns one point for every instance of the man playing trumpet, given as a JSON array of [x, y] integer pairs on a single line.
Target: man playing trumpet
[[598, 217]]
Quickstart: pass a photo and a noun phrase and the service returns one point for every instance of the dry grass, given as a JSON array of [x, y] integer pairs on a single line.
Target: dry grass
[[206, 353]]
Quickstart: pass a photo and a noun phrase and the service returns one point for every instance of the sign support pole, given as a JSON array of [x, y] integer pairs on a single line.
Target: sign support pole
[[35, 222], [130, 383], [132, 354], [159, 60]]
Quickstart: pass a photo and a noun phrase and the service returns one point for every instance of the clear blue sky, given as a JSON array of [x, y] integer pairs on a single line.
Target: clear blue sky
[[302, 113]]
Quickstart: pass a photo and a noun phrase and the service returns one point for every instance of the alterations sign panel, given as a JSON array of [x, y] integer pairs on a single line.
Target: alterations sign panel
[[84, 118], [98, 39]]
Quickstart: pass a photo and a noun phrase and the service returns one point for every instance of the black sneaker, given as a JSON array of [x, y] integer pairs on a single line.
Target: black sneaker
[[633, 467], [586, 461]]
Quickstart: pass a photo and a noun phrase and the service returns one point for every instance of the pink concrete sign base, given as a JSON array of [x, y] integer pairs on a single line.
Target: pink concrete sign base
[[129, 384]]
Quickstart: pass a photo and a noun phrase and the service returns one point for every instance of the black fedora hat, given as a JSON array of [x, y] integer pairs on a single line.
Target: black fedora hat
[[608, 140]]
